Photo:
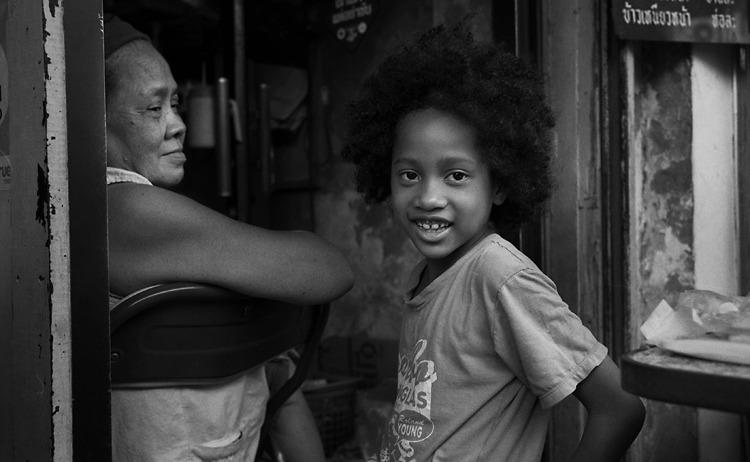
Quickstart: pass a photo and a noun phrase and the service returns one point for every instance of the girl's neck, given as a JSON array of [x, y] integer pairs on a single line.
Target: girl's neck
[[425, 278], [434, 268]]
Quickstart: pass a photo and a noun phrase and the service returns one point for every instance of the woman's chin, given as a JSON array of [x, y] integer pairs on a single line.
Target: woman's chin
[[169, 179]]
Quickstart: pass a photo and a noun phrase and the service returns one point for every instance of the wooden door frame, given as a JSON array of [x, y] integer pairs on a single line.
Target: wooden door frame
[[579, 56], [89, 262], [743, 162], [58, 353]]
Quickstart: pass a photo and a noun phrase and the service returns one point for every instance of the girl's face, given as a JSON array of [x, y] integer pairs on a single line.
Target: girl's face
[[145, 133], [441, 189]]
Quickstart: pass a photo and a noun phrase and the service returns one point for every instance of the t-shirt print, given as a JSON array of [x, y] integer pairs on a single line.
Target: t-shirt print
[[411, 422]]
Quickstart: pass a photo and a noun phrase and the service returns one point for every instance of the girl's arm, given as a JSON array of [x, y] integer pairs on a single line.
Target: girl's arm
[[615, 417]]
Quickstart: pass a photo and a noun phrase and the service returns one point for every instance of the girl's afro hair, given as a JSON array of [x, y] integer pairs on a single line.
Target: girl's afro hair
[[498, 94]]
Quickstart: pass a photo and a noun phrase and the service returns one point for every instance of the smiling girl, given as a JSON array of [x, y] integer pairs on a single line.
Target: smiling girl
[[455, 136]]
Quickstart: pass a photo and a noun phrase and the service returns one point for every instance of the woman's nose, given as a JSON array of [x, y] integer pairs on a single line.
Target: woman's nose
[[176, 127], [431, 196]]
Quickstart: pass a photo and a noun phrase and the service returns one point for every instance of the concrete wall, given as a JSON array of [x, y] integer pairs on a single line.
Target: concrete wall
[[662, 219], [682, 215]]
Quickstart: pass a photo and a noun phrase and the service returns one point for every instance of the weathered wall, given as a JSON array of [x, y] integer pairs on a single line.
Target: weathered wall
[[51, 111], [378, 251], [662, 215], [29, 310]]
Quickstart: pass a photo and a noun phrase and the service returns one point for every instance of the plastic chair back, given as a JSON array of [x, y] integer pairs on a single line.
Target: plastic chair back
[[191, 334]]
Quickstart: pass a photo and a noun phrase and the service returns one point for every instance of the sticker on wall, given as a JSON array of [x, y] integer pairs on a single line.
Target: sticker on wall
[[4, 171], [351, 19], [3, 85]]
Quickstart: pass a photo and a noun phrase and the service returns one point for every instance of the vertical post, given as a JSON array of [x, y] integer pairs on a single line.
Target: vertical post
[[59, 230], [29, 396], [743, 163], [89, 281], [614, 192], [223, 138], [715, 213], [570, 63], [6, 236], [240, 96]]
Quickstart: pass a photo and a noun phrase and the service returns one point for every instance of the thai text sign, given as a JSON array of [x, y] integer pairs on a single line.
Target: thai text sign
[[711, 21]]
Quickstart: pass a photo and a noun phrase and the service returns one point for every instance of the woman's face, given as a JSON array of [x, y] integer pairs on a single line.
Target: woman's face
[[145, 133]]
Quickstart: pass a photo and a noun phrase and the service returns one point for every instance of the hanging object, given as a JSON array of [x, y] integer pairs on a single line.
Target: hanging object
[[200, 116]]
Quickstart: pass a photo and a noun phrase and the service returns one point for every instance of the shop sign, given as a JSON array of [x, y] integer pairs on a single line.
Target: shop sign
[[705, 21], [351, 19]]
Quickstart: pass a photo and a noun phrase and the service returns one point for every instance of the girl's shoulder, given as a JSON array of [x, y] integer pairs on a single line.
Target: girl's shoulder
[[498, 260], [497, 251]]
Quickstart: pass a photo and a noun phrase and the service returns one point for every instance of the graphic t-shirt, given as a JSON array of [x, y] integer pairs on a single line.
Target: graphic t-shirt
[[485, 350]]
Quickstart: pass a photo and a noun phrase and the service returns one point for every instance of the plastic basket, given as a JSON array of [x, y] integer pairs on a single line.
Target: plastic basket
[[332, 400]]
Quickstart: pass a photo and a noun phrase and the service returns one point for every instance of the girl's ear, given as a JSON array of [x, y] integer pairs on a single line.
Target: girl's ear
[[499, 196]]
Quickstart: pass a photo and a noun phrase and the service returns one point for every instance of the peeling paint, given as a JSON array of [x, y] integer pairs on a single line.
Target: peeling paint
[[666, 218], [42, 196], [53, 5], [666, 265]]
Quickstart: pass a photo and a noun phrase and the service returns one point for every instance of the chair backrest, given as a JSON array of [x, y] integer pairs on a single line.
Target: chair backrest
[[186, 333], [192, 334]]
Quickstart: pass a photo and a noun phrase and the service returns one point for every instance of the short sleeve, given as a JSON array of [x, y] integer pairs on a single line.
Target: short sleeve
[[541, 340]]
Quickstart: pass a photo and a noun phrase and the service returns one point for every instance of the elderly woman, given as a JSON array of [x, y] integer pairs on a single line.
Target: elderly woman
[[158, 236]]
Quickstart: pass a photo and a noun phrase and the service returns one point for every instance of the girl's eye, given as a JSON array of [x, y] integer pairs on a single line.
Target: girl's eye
[[409, 176], [458, 177]]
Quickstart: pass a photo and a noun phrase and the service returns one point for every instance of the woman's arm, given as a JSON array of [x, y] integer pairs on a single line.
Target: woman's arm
[[615, 417], [158, 236], [295, 433]]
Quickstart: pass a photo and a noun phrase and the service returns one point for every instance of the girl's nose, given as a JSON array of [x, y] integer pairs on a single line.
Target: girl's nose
[[431, 196]]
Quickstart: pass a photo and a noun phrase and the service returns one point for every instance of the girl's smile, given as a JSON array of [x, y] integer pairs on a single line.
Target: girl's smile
[[432, 230]]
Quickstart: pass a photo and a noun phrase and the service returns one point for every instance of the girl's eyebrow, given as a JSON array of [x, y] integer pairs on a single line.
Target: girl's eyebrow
[[402, 160], [448, 161]]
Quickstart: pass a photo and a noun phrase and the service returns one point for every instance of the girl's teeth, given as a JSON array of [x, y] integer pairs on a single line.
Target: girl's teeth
[[431, 226]]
